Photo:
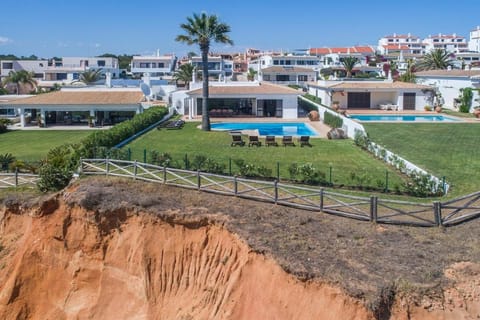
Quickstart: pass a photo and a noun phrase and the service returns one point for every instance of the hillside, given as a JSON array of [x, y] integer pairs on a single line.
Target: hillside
[[117, 249]]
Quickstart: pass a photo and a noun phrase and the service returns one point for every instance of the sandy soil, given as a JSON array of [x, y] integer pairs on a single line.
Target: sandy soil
[[114, 249]]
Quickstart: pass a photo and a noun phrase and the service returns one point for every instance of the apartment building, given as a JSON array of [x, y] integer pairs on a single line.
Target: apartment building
[[449, 42], [405, 43], [474, 43], [35, 66]]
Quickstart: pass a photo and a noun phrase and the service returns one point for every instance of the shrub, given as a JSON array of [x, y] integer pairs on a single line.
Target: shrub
[[213, 166], [264, 172], [3, 125], [293, 171], [466, 96], [57, 169], [332, 120], [361, 139], [198, 162], [308, 106], [5, 161], [245, 169], [422, 185]]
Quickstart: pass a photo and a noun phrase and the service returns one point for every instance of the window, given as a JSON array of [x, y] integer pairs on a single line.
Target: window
[[154, 65], [302, 77], [161, 65], [282, 77], [266, 77], [144, 65], [275, 62], [101, 63], [288, 62], [300, 62], [7, 65]]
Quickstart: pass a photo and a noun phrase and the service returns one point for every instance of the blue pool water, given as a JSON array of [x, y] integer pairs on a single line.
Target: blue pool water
[[268, 129], [403, 118]]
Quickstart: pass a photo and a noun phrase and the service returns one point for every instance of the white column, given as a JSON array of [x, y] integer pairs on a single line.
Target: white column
[[21, 111], [43, 117], [139, 110]]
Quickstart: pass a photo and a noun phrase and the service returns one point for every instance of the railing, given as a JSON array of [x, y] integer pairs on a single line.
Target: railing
[[371, 208], [16, 179]]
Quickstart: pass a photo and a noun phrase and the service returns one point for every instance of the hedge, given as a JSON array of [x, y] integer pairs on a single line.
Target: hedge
[[332, 120]]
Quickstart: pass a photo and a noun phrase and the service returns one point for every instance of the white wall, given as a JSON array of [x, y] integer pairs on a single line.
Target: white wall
[[449, 88]]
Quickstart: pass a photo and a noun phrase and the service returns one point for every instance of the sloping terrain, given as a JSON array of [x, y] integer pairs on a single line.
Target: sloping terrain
[[115, 249]]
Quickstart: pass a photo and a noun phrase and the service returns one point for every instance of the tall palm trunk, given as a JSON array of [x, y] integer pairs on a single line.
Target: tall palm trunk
[[205, 116]]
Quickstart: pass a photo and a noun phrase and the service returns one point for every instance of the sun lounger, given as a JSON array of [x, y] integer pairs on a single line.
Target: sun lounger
[[237, 141], [288, 141], [304, 141], [177, 124], [270, 141], [253, 141]]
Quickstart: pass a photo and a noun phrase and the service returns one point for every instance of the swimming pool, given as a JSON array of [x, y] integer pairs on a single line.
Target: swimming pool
[[403, 118], [268, 128]]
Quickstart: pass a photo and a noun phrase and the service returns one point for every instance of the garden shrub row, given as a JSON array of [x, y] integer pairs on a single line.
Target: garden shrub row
[[332, 120]]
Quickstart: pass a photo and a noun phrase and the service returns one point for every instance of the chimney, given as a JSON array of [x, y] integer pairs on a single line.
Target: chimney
[[158, 52], [409, 34], [108, 79]]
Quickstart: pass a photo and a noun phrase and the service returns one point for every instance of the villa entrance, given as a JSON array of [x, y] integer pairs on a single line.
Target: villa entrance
[[358, 100]]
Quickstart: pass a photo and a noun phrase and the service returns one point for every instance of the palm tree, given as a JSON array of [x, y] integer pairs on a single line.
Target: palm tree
[[19, 78], [202, 29], [184, 73], [409, 75], [436, 59], [89, 76], [348, 63], [251, 74]]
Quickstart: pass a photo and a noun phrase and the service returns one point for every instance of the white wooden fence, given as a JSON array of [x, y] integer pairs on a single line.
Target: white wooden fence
[[305, 197], [15, 179]]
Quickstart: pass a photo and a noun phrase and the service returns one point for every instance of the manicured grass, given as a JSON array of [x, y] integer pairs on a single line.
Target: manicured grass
[[34, 145], [447, 149], [341, 155]]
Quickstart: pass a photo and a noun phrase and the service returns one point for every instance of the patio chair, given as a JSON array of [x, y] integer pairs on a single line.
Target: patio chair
[[253, 141], [288, 141], [237, 141], [304, 141], [270, 141]]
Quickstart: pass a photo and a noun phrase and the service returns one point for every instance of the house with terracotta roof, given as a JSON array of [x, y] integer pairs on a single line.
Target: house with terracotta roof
[[354, 95], [449, 82], [333, 56], [405, 43], [302, 61], [257, 99], [76, 106]]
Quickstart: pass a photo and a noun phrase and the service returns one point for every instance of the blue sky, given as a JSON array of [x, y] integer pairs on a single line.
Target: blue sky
[[50, 28]]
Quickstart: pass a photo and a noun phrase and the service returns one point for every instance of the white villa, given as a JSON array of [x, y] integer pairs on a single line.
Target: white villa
[[266, 61], [76, 106], [287, 75], [259, 99], [36, 66], [217, 66], [154, 66], [474, 43], [449, 83], [386, 95]]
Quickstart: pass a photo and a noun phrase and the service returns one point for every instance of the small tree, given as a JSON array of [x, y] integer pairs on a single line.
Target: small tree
[[466, 96], [349, 63], [251, 74]]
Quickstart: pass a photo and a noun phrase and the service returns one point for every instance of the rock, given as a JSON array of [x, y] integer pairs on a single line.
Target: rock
[[336, 133]]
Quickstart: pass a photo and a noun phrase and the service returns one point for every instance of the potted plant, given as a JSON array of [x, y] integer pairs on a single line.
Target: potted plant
[[335, 105], [476, 112]]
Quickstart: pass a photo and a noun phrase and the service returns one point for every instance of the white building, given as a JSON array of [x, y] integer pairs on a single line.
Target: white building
[[217, 66], [70, 68], [449, 83], [36, 66], [332, 57], [266, 61], [448, 42], [406, 43], [154, 66], [258, 99], [372, 94], [288, 75], [474, 43]]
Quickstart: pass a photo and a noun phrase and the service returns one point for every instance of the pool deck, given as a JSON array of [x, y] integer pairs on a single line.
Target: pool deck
[[319, 127]]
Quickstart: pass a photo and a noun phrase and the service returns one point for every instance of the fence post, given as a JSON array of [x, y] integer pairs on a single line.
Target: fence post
[[80, 168], [275, 184], [135, 170], [235, 185], [16, 177], [278, 170], [373, 209], [144, 155], [230, 166], [108, 166], [198, 179], [437, 212], [164, 174], [321, 198], [129, 154], [386, 180]]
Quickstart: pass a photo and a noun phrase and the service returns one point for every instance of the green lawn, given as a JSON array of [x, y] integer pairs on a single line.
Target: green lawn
[[341, 155], [33, 145], [443, 149]]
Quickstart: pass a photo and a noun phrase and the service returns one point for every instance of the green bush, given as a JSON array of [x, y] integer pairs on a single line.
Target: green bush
[[58, 168], [307, 105], [466, 96], [332, 120]]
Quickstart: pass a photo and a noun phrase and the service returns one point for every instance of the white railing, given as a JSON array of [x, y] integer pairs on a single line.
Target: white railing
[[16, 179]]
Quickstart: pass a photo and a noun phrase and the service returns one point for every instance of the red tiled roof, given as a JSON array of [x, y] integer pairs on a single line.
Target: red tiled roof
[[396, 47], [343, 50]]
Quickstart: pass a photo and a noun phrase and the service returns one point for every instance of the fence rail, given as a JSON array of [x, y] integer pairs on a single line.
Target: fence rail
[[371, 208], [16, 179]]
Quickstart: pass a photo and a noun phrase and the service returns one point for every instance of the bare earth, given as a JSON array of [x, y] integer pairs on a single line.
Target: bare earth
[[117, 249]]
